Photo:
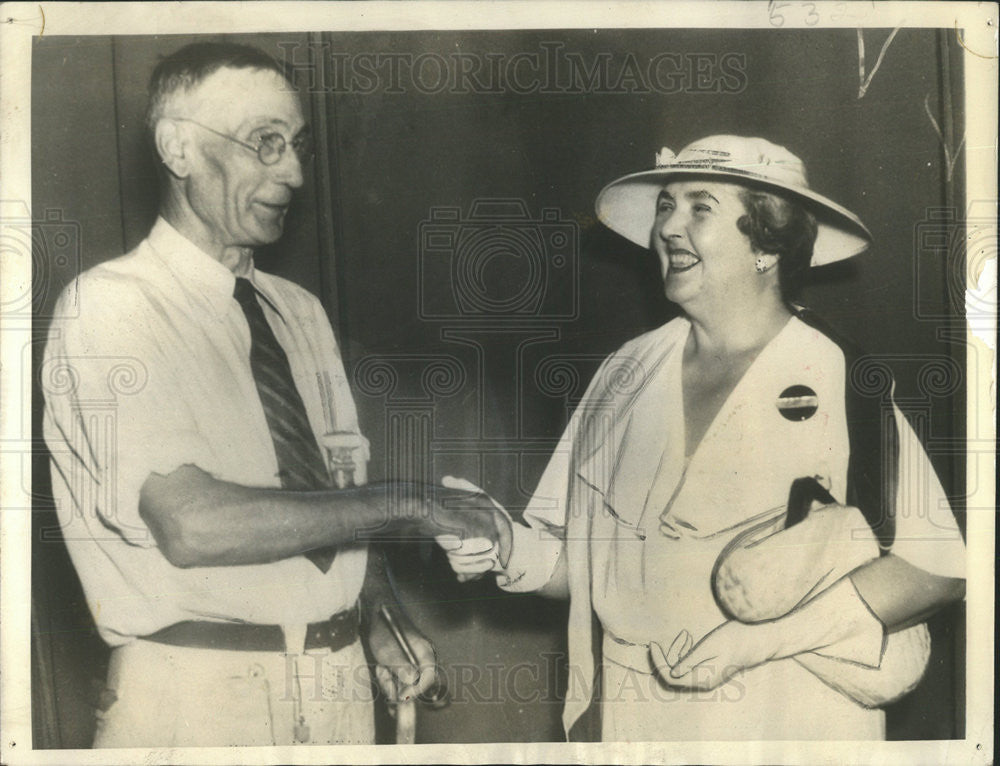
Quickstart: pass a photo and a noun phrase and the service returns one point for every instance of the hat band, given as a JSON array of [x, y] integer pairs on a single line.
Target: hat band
[[792, 183]]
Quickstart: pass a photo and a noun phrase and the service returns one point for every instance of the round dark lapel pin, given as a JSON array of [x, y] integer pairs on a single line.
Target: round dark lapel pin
[[798, 403]]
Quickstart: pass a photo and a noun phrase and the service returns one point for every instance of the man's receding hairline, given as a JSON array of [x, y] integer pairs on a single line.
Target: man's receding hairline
[[189, 89]]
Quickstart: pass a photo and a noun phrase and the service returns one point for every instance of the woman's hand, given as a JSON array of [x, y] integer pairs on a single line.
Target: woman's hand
[[726, 651], [472, 518], [470, 556]]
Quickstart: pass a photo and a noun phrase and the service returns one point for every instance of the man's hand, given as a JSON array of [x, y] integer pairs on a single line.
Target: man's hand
[[397, 677], [727, 650]]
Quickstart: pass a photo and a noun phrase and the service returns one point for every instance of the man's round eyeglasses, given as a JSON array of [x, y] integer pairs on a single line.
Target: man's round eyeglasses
[[270, 147]]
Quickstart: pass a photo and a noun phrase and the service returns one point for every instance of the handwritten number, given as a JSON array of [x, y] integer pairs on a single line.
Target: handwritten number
[[777, 19]]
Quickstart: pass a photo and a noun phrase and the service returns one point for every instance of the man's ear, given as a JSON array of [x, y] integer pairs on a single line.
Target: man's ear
[[172, 146]]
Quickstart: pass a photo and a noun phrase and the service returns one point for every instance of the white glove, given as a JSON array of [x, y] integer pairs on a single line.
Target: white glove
[[475, 556], [532, 558]]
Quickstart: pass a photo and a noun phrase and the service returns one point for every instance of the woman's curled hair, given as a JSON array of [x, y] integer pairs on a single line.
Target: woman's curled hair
[[778, 226]]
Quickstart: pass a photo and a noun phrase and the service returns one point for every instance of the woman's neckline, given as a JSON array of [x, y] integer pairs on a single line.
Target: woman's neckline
[[758, 354]]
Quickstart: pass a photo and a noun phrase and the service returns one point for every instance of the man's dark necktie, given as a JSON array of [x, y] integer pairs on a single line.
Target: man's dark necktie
[[300, 463]]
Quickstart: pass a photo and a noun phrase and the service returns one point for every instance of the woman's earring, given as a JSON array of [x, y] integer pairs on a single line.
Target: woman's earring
[[765, 263]]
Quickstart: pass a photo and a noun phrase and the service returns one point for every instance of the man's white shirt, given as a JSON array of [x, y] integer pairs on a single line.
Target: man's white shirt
[[153, 373]]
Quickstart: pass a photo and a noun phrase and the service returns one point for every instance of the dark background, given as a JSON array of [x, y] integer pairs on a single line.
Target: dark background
[[454, 376]]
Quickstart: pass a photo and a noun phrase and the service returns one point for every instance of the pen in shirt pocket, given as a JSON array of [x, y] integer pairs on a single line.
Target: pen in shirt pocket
[[326, 397]]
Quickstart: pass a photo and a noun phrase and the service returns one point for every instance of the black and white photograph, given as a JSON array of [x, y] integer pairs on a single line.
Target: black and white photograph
[[469, 382]]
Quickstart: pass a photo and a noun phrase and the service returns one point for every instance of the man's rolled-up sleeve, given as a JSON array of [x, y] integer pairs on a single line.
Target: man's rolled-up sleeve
[[114, 413]]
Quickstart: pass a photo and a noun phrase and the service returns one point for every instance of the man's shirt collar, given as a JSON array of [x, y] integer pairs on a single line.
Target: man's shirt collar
[[194, 266]]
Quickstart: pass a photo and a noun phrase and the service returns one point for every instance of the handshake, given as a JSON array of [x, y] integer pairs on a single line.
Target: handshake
[[475, 530], [473, 556]]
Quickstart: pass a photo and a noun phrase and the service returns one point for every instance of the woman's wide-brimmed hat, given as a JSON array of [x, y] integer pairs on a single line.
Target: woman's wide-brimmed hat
[[628, 205]]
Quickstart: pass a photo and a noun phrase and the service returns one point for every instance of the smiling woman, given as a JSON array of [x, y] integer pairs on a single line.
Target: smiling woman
[[703, 254], [654, 483]]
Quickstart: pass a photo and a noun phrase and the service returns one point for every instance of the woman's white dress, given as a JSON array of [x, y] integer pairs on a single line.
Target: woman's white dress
[[621, 465]]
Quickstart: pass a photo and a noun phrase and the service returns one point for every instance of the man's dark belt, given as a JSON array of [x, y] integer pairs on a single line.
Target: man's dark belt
[[339, 631]]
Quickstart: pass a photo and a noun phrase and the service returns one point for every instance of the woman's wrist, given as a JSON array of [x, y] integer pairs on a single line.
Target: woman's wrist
[[533, 558]]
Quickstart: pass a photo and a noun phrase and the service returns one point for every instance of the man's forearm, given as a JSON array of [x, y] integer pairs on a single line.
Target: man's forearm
[[200, 521]]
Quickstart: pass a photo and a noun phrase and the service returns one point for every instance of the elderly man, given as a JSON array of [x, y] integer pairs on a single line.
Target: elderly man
[[219, 563]]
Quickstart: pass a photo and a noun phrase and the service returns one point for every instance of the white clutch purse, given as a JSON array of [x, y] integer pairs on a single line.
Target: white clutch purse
[[772, 568]]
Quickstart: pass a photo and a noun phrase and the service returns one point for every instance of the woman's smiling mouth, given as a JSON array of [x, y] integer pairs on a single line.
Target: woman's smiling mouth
[[682, 260]]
